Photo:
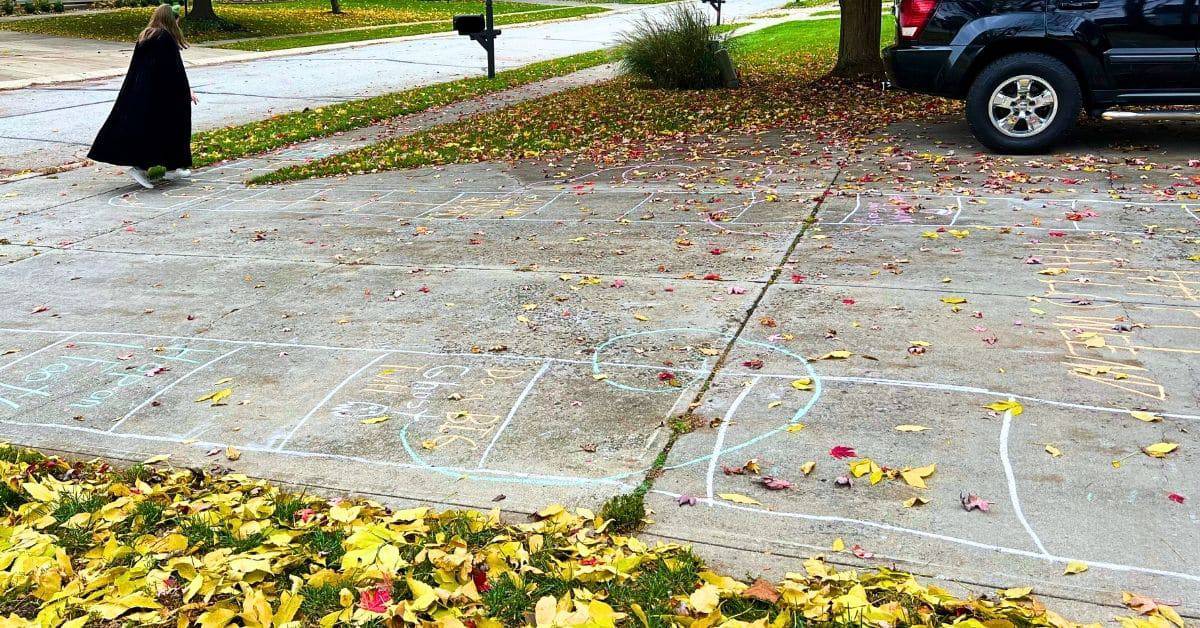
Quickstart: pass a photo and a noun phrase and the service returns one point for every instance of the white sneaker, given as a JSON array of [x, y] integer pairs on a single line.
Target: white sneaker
[[178, 173], [139, 175]]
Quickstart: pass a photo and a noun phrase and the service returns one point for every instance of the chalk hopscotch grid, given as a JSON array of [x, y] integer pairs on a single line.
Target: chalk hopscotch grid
[[505, 475], [438, 211]]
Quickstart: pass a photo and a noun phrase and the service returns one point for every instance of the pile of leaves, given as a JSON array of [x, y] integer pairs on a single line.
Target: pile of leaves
[[87, 544]]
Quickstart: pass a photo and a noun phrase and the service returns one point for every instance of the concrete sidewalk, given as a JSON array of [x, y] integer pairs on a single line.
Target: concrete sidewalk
[[29, 58], [531, 333], [44, 126]]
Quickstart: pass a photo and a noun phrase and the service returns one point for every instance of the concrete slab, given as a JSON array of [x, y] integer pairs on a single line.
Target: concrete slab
[[530, 333]]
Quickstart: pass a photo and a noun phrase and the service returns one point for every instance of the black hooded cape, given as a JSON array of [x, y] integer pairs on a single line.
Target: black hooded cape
[[151, 121]]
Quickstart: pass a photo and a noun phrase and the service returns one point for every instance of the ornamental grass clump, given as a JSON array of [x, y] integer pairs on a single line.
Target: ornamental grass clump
[[678, 50]]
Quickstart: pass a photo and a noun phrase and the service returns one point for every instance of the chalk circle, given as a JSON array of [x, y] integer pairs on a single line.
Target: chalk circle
[[664, 361], [651, 171], [631, 362]]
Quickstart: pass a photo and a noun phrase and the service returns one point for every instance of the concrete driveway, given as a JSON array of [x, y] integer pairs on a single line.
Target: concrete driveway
[[519, 335]]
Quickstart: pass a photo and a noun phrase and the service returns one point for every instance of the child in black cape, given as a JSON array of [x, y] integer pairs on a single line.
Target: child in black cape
[[151, 121]]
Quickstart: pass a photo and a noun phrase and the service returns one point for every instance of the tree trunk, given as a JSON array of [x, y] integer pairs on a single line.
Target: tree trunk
[[202, 10], [858, 46], [335, 7]]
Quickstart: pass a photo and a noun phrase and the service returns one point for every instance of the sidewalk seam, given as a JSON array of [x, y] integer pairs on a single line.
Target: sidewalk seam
[[660, 461]]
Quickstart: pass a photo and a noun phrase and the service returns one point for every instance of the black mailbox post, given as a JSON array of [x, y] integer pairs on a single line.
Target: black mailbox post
[[716, 4], [480, 28]]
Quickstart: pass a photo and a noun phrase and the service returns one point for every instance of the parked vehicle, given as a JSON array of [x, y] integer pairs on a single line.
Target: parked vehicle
[[1027, 67]]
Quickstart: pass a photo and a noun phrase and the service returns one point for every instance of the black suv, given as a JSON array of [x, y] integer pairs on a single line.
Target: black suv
[[1027, 67]]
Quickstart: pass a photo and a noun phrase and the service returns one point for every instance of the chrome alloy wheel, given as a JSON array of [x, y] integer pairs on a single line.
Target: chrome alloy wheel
[[1023, 106]]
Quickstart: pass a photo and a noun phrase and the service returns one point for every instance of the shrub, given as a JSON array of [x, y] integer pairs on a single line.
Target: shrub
[[58, 6], [8, 7], [43, 6], [28, 7], [675, 51]]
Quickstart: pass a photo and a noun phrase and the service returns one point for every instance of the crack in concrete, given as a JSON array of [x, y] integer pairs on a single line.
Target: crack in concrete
[[657, 468]]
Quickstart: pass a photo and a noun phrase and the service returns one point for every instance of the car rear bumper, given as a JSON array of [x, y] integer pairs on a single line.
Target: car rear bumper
[[924, 69]]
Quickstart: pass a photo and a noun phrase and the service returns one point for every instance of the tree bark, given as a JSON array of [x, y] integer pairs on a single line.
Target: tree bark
[[335, 7], [858, 46], [202, 10]]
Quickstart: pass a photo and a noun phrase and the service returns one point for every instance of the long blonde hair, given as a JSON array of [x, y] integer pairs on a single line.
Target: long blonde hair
[[163, 19]]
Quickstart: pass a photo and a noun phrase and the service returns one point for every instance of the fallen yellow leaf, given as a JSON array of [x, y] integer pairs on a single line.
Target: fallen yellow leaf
[[833, 355], [1006, 406], [910, 428], [217, 397], [1053, 451], [839, 545], [1075, 567], [1160, 450], [739, 499], [1016, 592], [1148, 417], [705, 599], [916, 477]]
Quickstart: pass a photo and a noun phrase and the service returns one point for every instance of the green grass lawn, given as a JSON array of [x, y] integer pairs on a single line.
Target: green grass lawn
[[783, 68], [317, 39], [267, 18], [281, 130]]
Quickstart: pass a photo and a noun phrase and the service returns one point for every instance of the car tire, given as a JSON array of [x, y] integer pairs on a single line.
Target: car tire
[[1023, 103]]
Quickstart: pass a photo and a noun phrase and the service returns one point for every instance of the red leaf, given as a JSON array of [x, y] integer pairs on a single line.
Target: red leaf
[[972, 501], [375, 599], [775, 484], [860, 552], [841, 452], [1176, 497], [480, 578]]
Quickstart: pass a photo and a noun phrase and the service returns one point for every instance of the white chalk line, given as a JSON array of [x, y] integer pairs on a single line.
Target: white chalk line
[[295, 345], [326, 399], [720, 440], [944, 537], [305, 454], [507, 356], [56, 343], [1010, 475], [985, 391], [164, 389], [512, 412]]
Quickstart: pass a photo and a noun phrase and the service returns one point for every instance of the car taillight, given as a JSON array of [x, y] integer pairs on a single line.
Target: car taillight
[[914, 15]]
